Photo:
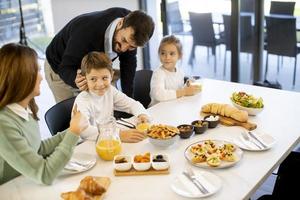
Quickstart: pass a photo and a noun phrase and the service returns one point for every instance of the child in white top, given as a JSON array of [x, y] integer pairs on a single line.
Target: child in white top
[[167, 81], [101, 99]]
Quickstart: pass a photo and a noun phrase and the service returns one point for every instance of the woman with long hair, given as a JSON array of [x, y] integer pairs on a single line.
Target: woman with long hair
[[21, 148]]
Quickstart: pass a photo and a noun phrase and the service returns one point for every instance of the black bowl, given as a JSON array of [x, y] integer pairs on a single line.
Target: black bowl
[[185, 130], [212, 123], [200, 126]]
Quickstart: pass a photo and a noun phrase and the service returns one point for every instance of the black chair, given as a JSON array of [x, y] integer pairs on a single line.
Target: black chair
[[141, 86], [246, 35], [282, 7], [203, 34], [174, 19], [247, 5], [58, 116], [281, 39], [288, 174]]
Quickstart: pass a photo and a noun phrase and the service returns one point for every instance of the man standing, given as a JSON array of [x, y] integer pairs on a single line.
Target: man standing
[[115, 31]]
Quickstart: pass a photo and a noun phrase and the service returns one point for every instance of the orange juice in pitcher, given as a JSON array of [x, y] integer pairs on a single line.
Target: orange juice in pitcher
[[107, 149], [108, 143]]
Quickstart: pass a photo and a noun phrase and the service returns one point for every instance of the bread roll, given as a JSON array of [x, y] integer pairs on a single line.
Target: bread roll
[[225, 110], [94, 185]]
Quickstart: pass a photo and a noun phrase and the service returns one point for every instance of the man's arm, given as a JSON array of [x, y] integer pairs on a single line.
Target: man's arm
[[127, 70]]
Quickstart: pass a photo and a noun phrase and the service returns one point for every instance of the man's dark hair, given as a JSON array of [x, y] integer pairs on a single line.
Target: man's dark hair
[[142, 24]]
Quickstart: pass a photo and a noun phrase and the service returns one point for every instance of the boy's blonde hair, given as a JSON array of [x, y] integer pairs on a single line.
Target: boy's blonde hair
[[171, 39], [95, 60]]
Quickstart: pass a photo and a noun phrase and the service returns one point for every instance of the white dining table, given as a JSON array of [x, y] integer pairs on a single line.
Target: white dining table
[[279, 119]]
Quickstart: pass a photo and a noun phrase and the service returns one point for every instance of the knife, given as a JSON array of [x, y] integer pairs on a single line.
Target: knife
[[195, 183], [260, 142]]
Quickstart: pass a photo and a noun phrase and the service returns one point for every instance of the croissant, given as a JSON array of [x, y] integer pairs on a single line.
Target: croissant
[[76, 195], [90, 188], [94, 186], [225, 110]]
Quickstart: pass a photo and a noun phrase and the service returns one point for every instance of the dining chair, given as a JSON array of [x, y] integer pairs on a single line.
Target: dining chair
[[141, 86], [282, 7], [246, 36], [281, 39], [58, 116], [174, 19], [247, 6], [203, 34]]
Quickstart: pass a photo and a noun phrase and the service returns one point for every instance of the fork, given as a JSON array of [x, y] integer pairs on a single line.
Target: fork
[[191, 173], [247, 138]]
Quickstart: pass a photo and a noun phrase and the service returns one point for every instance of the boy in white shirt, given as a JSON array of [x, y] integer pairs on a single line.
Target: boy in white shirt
[[101, 98], [167, 81]]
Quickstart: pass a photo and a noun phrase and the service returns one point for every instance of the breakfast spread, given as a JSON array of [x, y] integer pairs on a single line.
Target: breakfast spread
[[247, 100], [213, 153], [90, 187], [225, 110]]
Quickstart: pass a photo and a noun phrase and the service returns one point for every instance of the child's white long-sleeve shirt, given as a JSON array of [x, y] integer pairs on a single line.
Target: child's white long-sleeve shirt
[[100, 108], [164, 85]]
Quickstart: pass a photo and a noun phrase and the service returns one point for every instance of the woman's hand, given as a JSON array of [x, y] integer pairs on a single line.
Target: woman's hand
[[78, 122], [142, 118], [80, 81], [132, 136]]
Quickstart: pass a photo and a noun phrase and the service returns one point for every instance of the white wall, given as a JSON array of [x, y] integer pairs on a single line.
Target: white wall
[[64, 10]]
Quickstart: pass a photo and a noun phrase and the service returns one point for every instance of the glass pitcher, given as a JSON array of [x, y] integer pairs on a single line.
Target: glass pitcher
[[108, 143]]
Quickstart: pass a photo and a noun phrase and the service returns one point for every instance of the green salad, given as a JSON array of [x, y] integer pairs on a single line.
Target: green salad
[[247, 100]]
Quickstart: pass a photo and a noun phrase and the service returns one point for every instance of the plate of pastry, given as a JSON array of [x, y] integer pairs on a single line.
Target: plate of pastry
[[80, 162], [213, 154]]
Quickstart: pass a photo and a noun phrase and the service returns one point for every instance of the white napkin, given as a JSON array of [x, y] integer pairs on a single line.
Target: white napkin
[[249, 144], [246, 144], [192, 189], [75, 167]]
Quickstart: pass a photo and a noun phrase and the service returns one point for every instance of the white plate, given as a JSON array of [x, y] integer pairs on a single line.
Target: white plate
[[224, 164], [184, 187], [266, 139], [79, 162]]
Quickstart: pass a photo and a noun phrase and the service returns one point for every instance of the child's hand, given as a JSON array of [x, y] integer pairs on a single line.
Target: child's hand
[[132, 136], [78, 122], [142, 119], [191, 90]]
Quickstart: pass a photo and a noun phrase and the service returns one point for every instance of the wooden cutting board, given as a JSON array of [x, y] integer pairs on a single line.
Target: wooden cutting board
[[227, 121], [133, 172]]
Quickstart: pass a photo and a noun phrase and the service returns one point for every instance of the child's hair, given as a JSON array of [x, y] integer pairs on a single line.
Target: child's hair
[[171, 39], [95, 60]]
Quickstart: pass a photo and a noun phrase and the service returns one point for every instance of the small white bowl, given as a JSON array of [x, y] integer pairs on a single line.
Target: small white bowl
[[123, 166], [160, 165], [251, 111], [142, 166]]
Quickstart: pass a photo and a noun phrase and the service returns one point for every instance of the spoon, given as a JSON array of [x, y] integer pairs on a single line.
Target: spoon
[[247, 138]]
